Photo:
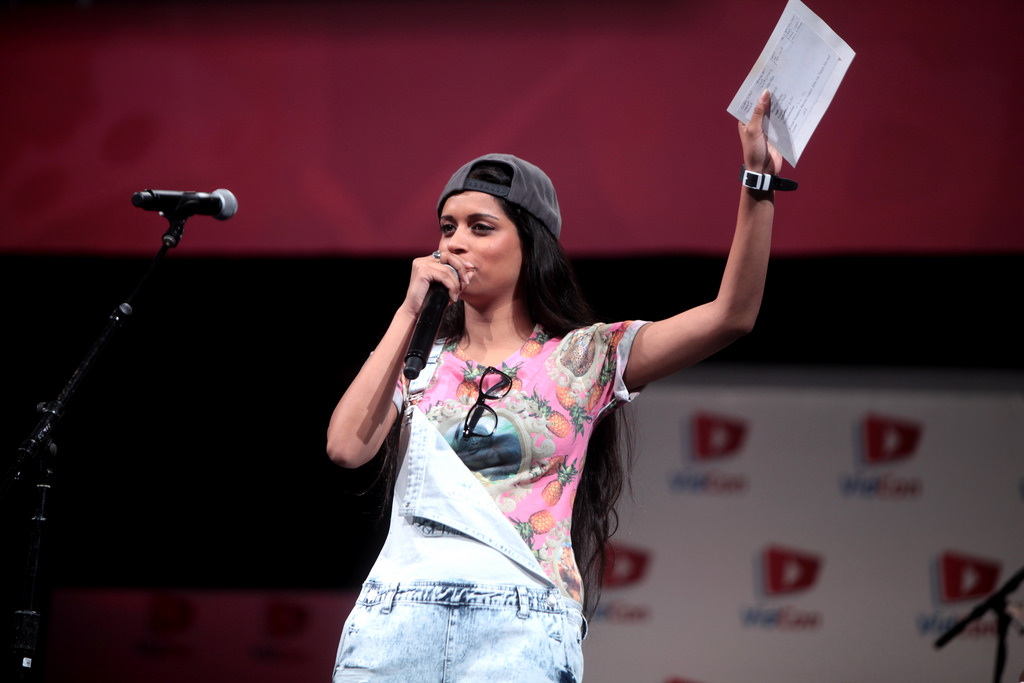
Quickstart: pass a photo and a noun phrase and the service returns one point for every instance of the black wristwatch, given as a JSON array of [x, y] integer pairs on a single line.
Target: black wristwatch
[[765, 181]]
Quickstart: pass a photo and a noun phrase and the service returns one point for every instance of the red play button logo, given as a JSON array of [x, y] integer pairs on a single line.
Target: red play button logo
[[716, 436], [625, 565], [788, 571], [962, 577], [887, 439]]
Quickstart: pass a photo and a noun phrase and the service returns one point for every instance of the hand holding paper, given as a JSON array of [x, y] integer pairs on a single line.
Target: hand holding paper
[[802, 65], [759, 155]]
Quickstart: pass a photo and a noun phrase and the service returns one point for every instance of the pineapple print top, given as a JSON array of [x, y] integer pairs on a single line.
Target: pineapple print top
[[532, 461]]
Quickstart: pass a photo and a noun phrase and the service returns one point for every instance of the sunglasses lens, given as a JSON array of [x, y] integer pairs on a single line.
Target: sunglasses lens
[[494, 385], [482, 422]]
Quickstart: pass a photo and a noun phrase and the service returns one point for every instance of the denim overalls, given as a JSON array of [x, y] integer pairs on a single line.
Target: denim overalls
[[455, 594]]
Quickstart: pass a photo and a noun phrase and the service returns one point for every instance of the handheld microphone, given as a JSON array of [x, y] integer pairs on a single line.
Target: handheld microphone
[[220, 204], [426, 328]]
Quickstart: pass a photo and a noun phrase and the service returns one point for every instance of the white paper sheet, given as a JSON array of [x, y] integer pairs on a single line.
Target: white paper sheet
[[802, 65]]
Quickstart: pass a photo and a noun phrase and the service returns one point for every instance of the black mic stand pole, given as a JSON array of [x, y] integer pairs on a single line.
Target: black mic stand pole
[[27, 640], [997, 603]]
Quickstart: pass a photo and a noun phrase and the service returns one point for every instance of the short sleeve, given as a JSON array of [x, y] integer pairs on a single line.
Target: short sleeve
[[620, 345]]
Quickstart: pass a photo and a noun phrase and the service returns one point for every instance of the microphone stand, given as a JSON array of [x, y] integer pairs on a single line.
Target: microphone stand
[[27, 640], [997, 603]]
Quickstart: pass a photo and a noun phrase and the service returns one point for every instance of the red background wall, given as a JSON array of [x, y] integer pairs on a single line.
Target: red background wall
[[336, 124]]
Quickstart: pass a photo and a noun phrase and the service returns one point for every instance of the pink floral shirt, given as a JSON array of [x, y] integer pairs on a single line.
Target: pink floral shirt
[[532, 462]]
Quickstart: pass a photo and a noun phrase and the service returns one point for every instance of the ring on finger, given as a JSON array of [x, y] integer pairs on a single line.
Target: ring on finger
[[437, 255]]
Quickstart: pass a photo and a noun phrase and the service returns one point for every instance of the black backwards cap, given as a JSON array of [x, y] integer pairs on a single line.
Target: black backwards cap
[[531, 189]]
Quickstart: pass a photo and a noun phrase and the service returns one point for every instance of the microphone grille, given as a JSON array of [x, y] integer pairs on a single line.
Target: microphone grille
[[228, 203]]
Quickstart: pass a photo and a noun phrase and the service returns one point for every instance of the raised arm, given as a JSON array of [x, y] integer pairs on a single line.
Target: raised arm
[[669, 345], [365, 413]]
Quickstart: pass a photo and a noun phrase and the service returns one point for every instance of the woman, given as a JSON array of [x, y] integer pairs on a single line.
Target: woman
[[509, 469]]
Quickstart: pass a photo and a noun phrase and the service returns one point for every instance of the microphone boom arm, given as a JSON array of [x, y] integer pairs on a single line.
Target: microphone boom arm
[[997, 603]]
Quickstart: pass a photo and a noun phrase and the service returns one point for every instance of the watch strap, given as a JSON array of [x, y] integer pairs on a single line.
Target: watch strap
[[765, 181]]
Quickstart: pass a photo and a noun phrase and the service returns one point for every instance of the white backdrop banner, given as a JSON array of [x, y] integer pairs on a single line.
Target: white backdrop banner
[[809, 533]]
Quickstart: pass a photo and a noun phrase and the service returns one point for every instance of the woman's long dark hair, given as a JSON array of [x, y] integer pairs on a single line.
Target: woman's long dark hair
[[554, 300]]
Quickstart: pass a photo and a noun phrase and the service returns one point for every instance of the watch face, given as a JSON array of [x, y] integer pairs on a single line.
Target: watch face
[[752, 180]]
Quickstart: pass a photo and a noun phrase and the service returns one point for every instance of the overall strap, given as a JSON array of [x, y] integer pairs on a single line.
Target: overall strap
[[414, 391]]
